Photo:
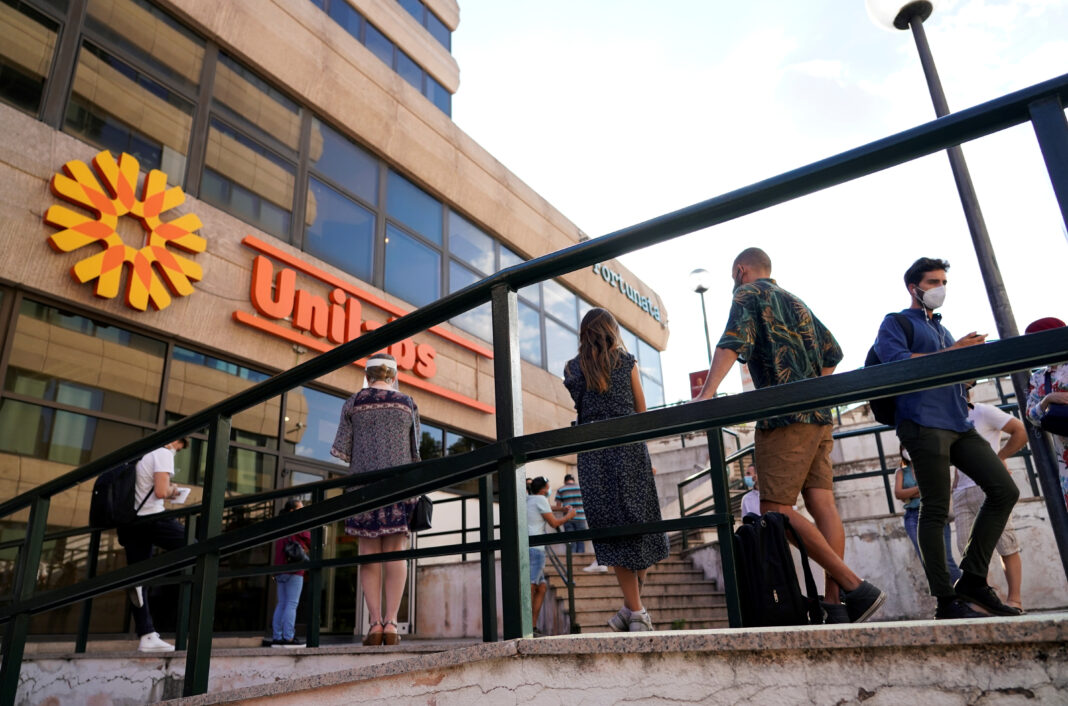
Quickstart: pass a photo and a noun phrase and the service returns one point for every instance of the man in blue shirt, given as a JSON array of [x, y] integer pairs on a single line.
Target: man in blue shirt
[[933, 426]]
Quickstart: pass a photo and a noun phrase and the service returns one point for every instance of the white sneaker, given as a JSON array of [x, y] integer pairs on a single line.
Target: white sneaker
[[152, 643], [595, 568]]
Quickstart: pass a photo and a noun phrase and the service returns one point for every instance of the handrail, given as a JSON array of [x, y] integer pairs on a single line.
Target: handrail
[[512, 448]]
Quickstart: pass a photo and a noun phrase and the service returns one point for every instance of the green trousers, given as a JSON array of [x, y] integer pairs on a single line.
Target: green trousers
[[932, 451]]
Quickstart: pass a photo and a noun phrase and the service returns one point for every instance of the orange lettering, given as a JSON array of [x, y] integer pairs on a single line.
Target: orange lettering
[[404, 352], [276, 305], [311, 313], [425, 365]]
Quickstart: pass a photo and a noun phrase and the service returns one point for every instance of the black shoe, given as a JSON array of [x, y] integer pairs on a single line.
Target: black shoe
[[862, 602], [984, 596], [834, 613], [956, 609], [294, 642], [266, 642]]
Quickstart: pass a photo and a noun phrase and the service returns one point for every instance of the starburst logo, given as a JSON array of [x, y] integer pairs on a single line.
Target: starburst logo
[[156, 271]]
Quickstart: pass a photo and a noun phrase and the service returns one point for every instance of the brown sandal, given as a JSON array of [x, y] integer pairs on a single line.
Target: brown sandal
[[390, 638], [374, 639]]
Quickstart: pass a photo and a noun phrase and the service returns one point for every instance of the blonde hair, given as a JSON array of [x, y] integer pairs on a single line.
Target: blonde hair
[[381, 373]]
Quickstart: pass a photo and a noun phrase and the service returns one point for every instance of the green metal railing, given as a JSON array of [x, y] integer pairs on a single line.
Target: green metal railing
[[512, 449]]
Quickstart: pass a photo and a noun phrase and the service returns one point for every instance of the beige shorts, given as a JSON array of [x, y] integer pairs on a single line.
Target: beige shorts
[[792, 458], [966, 504]]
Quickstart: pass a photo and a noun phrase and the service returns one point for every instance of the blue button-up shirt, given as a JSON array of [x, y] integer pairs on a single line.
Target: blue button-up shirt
[[942, 407]]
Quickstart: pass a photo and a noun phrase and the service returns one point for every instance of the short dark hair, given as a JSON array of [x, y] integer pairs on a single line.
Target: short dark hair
[[537, 484], [914, 274], [569, 477], [291, 504]]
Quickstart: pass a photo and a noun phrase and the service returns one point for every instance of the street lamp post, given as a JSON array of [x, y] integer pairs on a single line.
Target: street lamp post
[[899, 14], [700, 280]]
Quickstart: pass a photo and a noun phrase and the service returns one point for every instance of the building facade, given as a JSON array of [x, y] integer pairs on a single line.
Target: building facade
[[196, 195]]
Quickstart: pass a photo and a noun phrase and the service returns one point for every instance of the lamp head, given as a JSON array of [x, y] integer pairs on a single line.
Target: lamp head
[[895, 14], [700, 280]]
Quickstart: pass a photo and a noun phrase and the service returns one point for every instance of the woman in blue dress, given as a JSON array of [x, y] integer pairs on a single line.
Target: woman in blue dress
[[617, 483]]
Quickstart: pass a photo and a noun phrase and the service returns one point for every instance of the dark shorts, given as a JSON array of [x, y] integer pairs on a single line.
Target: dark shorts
[[792, 458]]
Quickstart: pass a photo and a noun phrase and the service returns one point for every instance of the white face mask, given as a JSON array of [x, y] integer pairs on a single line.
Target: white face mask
[[933, 297]]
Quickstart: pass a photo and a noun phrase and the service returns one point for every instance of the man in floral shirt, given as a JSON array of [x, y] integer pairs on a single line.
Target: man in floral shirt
[[782, 341]]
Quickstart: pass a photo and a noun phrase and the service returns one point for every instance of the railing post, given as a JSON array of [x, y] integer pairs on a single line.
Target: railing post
[[206, 571], [515, 563], [1051, 129], [185, 592], [315, 580], [87, 605], [575, 627], [463, 525], [487, 559], [29, 560], [725, 530], [886, 478], [682, 513]]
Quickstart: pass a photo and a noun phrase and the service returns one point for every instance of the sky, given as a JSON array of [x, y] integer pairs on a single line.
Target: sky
[[617, 111]]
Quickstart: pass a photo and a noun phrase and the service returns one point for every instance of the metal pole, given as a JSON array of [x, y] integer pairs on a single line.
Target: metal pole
[[487, 559], [724, 530], [704, 317], [995, 287]]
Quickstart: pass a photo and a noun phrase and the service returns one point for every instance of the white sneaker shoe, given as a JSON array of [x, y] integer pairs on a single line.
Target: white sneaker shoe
[[152, 643], [596, 568]]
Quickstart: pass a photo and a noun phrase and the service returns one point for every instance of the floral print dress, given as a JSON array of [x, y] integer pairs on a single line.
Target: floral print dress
[[1035, 392], [378, 429]]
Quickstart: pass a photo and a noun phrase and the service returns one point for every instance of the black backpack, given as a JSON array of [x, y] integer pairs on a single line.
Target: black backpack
[[884, 409], [767, 580], [114, 495]]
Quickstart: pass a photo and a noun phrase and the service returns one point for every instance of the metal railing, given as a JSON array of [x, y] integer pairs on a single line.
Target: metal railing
[[512, 449]]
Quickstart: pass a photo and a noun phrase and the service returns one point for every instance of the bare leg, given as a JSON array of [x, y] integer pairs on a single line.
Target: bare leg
[[816, 545], [628, 583], [371, 582], [395, 579], [1014, 577], [820, 503], [537, 597]]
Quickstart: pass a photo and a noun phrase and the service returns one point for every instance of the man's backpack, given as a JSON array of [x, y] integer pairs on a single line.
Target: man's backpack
[[767, 580], [884, 409], [115, 496]]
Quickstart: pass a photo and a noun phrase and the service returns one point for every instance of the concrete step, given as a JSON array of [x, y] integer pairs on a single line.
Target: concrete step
[[694, 589], [663, 617], [609, 579], [652, 603], [602, 626]]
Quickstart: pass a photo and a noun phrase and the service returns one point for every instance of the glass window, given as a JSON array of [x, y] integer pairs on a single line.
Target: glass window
[[347, 165], [342, 232], [198, 380], [478, 321], [414, 8], [250, 471], [654, 393], [119, 108], [529, 334], [561, 345], [248, 180], [378, 43], [509, 258], [470, 244], [649, 359], [438, 95], [413, 270], [413, 207], [311, 421], [583, 307], [532, 293], [458, 444], [346, 16], [256, 103], [430, 445], [560, 302], [151, 38], [438, 30], [409, 70], [25, 55], [60, 436], [75, 361], [630, 341]]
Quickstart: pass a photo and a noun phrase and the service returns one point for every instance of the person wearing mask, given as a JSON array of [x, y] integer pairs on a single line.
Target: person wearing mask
[[751, 500], [1049, 386]]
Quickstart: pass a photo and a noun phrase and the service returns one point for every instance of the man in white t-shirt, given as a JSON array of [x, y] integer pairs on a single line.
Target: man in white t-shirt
[[154, 473], [540, 518], [990, 422]]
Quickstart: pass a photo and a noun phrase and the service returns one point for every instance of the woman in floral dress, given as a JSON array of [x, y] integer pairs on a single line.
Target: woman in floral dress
[[1040, 397], [617, 483], [379, 428]]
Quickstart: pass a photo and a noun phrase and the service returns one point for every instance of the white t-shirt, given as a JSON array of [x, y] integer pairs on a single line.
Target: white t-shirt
[[751, 502], [988, 421], [536, 505], [159, 461]]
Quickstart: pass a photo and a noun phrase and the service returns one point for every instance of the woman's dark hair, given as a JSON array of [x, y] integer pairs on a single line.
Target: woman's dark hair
[[537, 484], [291, 505], [915, 273], [599, 348]]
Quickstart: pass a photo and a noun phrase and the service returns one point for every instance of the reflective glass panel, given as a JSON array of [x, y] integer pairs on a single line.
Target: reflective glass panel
[[409, 70], [470, 244], [509, 258], [414, 8], [561, 345], [122, 109], [72, 360], [438, 30], [347, 165], [430, 445], [532, 293], [560, 302], [248, 180], [378, 43], [59, 436], [649, 358], [654, 393], [438, 95], [346, 16], [583, 307], [413, 270], [257, 102], [413, 207], [25, 55], [630, 341], [458, 444], [342, 232], [478, 321], [529, 334], [311, 421]]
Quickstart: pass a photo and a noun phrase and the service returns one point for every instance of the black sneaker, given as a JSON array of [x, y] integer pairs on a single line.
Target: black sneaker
[[294, 642], [956, 609], [834, 613], [266, 642], [984, 596], [862, 602]]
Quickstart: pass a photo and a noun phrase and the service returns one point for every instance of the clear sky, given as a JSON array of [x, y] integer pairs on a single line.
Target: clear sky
[[617, 111]]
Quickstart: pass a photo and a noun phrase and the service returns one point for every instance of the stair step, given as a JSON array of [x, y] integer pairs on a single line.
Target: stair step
[[654, 604], [666, 616], [666, 578], [592, 628], [653, 589]]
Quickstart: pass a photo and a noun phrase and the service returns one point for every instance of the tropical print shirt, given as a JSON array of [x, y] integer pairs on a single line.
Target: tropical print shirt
[[781, 340]]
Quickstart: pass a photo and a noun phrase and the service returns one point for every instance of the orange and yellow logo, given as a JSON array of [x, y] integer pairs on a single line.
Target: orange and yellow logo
[[156, 272]]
